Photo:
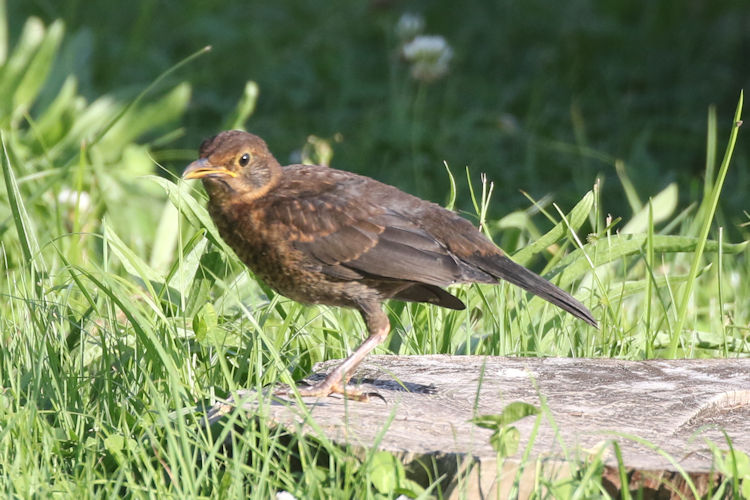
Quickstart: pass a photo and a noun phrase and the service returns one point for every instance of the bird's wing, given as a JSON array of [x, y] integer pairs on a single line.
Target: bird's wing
[[347, 233], [381, 245]]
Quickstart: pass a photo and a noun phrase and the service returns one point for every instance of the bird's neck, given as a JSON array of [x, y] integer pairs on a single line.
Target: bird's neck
[[263, 178]]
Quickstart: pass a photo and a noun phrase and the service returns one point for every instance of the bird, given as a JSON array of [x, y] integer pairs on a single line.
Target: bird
[[319, 235]]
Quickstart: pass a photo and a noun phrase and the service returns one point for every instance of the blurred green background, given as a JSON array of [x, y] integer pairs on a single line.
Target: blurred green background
[[542, 96]]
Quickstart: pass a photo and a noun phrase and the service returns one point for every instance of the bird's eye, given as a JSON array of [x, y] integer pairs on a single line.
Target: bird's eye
[[244, 159]]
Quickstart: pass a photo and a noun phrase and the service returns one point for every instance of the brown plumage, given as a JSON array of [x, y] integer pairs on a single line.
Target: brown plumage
[[324, 236]]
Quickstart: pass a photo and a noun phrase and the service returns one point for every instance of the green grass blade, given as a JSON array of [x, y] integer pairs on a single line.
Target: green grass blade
[[50, 122], [649, 281], [158, 112], [603, 251], [672, 460], [29, 244], [577, 216], [622, 472], [710, 152], [193, 210], [165, 240], [13, 70], [181, 275], [3, 32], [38, 68], [128, 258], [660, 208], [244, 108], [452, 196], [632, 287], [145, 333], [708, 216], [720, 291], [630, 192], [148, 89]]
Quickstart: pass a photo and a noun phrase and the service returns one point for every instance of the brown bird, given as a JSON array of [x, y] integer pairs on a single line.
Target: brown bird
[[324, 236]]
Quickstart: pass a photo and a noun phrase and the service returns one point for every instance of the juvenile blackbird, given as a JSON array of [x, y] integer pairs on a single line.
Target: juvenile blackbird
[[324, 236]]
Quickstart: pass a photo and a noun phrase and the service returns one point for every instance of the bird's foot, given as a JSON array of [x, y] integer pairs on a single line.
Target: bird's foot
[[326, 388]]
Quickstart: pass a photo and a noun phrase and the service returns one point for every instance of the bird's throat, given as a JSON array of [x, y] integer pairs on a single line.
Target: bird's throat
[[251, 185]]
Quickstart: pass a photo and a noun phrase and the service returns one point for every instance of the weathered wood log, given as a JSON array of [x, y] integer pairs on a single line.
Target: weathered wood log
[[670, 405]]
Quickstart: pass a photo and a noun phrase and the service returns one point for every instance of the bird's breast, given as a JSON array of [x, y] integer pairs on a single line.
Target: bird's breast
[[260, 247], [267, 249]]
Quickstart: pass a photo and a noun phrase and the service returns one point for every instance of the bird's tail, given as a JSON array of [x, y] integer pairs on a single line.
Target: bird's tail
[[504, 268]]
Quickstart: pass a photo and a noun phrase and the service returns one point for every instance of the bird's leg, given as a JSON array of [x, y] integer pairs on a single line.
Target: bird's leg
[[337, 380]]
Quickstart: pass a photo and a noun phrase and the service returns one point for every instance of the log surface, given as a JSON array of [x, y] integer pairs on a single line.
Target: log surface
[[674, 405]]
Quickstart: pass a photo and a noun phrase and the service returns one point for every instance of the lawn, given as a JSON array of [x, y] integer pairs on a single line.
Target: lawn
[[596, 142]]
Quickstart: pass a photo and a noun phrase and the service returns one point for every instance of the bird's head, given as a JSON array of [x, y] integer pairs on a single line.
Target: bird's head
[[235, 162]]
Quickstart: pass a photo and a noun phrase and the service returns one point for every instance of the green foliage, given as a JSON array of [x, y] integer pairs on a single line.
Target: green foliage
[[81, 155], [534, 96], [506, 437], [706, 216], [123, 313], [734, 465], [388, 476]]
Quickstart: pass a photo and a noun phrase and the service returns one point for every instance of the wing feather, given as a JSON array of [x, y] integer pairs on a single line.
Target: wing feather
[[346, 228]]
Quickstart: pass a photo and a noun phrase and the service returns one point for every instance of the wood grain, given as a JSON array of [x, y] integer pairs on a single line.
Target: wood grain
[[673, 405]]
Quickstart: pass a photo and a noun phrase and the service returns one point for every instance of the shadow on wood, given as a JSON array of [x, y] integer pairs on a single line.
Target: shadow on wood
[[661, 412]]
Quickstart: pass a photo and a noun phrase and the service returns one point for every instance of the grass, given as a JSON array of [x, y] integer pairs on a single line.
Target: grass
[[123, 311]]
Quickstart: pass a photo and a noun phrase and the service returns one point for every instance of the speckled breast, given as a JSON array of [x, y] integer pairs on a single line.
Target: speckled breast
[[269, 254]]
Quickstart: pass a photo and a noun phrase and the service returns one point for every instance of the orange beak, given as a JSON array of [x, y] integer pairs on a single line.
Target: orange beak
[[202, 168]]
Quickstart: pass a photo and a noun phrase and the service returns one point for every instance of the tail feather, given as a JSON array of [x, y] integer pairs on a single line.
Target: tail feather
[[504, 268]]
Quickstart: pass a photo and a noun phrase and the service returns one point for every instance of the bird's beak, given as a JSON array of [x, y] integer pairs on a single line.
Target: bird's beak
[[202, 167]]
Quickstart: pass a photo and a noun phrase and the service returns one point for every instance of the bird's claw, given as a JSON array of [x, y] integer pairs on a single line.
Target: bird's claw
[[324, 388]]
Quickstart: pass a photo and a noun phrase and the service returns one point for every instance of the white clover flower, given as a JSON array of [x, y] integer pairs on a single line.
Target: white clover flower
[[409, 26], [426, 47], [70, 197], [734, 279], [284, 495], [430, 56]]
